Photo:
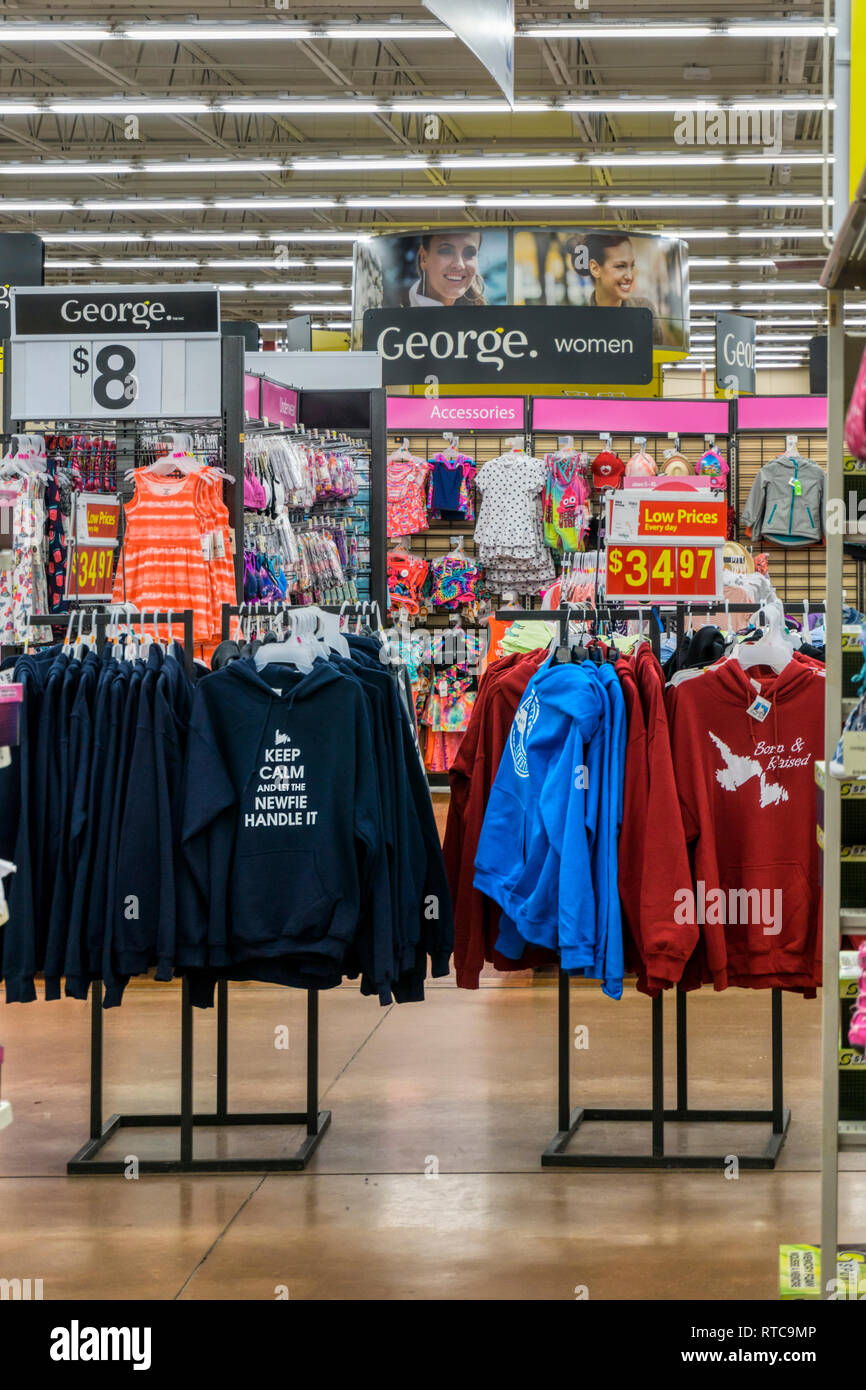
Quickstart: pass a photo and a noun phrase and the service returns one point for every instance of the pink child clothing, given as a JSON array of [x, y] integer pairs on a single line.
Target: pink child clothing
[[406, 509]]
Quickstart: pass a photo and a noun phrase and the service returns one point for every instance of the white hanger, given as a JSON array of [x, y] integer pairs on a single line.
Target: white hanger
[[773, 648], [300, 649], [328, 630]]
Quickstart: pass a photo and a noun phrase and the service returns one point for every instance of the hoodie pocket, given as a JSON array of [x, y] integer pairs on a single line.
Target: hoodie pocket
[[769, 917], [279, 898]]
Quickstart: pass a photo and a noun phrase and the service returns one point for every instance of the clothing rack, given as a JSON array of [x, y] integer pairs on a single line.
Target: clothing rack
[[556, 1154], [85, 1161]]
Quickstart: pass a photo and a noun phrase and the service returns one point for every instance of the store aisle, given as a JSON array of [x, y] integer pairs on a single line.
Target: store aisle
[[472, 1095]]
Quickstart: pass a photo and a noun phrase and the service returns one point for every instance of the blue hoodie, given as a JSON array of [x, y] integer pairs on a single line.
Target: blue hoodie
[[548, 846], [511, 844], [558, 908], [609, 962]]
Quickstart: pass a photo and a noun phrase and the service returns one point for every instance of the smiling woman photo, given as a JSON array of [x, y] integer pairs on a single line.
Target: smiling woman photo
[[614, 274], [447, 269]]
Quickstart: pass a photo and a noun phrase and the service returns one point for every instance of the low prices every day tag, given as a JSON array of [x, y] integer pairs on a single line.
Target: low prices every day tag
[[657, 572]]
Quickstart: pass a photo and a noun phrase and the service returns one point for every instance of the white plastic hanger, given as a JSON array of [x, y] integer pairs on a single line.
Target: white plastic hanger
[[329, 631], [300, 648], [773, 648]]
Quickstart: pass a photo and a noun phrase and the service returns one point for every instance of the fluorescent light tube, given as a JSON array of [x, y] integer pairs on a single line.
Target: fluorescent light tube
[[70, 238], [266, 202], [532, 200], [311, 107], [60, 166], [132, 106], [214, 33], [367, 164], [211, 166], [53, 33], [315, 236], [208, 236], [385, 203], [385, 31]]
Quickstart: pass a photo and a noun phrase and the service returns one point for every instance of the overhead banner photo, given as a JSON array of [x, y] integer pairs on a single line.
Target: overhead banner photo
[[471, 268]]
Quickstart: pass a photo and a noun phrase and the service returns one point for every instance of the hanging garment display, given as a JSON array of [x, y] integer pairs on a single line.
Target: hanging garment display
[[449, 495], [176, 550], [471, 777], [713, 465], [407, 575], [406, 505], [24, 581], [608, 470], [557, 801], [565, 500], [286, 854], [744, 745], [455, 580], [787, 503], [509, 532], [641, 465]]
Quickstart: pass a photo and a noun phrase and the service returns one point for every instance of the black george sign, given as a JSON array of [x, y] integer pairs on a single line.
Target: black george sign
[[511, 344], [187, 311]]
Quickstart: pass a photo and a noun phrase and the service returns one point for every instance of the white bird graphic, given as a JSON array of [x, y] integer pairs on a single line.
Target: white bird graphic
[[739, 770]]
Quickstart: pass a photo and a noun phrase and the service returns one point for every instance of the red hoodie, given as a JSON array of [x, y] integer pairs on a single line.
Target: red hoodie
[[476, 917], [747, 795], [664, 865]]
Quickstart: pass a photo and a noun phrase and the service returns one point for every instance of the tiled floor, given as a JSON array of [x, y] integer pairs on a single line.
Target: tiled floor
[[428, 1184]]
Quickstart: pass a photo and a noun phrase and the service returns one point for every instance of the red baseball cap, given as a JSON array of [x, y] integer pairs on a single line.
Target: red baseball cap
[[607, 470]]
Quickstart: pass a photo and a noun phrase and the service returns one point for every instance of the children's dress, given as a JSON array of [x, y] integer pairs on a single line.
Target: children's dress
[[406, 509]]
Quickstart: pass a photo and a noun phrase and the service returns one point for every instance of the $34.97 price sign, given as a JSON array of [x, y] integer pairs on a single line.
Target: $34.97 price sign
[[657, 572], [88, 573]]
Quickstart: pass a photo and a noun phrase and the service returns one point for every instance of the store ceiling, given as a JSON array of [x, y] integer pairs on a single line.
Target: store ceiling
[[287, 144]]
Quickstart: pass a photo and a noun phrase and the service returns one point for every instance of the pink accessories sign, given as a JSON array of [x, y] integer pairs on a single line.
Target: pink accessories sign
[[783, 413], [455, 412], [279, 404], [559, 414], [252, 385]]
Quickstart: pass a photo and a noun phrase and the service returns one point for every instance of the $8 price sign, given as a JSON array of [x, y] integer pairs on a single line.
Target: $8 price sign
[[111, 371], [89, 572], [662, 571]]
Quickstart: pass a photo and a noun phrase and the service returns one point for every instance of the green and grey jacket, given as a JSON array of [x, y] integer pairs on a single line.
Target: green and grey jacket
[[788, 502]]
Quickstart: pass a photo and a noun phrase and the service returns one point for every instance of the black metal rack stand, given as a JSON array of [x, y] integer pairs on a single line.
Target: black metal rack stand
[[556, 1154], [314, 1121]]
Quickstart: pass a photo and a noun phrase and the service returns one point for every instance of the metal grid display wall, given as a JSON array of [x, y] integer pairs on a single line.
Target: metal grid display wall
[[799, 573], [437, 539]]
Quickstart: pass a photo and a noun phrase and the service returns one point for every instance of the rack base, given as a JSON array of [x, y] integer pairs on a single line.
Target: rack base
[[556, 1155], [86, 1161], [314, 1120]]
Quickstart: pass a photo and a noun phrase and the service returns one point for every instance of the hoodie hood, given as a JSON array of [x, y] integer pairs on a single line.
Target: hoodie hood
[[290, 685], [735, 682], [575, 692]]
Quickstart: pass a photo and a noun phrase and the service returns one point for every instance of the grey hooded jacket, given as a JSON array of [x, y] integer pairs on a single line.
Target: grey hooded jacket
[[788, 502]]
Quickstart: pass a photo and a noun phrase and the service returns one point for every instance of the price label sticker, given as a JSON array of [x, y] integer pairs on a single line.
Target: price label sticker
[[658, 572]]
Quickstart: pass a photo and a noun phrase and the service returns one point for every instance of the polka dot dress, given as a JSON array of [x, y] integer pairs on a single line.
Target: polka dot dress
[[509, 533]]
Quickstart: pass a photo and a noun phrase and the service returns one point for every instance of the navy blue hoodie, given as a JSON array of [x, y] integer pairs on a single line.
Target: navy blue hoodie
[[282, 824]]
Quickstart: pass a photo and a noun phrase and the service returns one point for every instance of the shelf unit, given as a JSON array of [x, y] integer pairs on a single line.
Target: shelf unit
[[844, 270]]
